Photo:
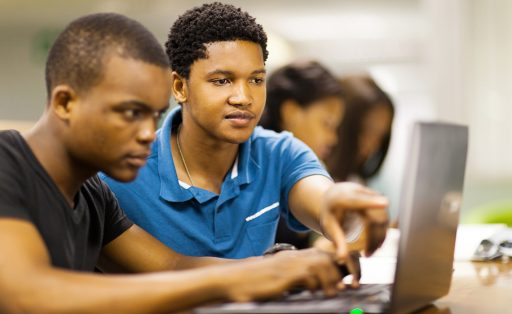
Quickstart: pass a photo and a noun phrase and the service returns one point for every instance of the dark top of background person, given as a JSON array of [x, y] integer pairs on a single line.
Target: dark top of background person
[[92, 38], [211, 22], [304, 82], [362, 95]]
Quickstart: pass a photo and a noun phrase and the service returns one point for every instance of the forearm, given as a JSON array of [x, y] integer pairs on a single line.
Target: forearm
[[190, 262], [59, 291], [306, 200], [136, 251]]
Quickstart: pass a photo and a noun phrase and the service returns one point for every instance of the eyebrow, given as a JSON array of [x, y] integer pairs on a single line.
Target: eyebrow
[[228, 73], [134, 103], [141, 105]]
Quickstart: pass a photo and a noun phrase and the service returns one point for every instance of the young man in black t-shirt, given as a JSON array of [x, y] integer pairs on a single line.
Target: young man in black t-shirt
[[108, 80]]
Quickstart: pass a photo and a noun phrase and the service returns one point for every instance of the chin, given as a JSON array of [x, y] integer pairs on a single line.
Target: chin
[[239, 136], [123, 175], [238, 139]]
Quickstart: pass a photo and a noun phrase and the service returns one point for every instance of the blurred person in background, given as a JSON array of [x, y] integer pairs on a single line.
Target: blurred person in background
[[304, 98], [362, 140], [365, 133], [364, 136]]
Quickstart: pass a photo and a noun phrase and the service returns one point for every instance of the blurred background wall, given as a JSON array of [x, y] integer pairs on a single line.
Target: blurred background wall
[[439, 60]]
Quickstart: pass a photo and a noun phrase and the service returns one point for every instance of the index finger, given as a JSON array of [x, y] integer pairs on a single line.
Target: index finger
[[355, 198], [354, 267], [363, 201], [333, 231]]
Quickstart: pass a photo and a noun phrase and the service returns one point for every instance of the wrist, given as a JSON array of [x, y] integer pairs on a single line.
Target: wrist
[[221, 283], [278, 247]]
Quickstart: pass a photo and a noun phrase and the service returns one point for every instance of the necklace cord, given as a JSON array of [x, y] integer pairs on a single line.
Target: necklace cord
[[181, 156]]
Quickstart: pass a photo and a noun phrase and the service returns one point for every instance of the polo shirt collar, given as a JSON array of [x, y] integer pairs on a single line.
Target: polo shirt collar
[[171, 189], [244, 168]]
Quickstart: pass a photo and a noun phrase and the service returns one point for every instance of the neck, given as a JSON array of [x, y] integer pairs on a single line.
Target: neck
[[208, 160], [45, 141]]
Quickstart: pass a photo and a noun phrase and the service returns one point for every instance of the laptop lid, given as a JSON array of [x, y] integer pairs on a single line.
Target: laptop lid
[[429, 214]]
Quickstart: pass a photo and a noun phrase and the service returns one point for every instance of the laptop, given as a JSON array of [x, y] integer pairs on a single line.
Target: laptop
[[428, 218]]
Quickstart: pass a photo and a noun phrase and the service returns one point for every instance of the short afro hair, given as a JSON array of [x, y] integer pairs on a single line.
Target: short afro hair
[[305, 82], [209, 23], [78, 54]]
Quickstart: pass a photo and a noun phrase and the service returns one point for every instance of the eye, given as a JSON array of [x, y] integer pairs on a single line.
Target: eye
[[257, 80], [133, 114], [220, 82]]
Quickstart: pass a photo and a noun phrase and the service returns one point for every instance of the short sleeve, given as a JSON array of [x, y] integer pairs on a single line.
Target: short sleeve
[[116, 221], [297, 162], [12, 203]]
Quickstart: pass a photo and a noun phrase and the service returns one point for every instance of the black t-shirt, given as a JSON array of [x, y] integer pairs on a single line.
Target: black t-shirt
[[73, 236]]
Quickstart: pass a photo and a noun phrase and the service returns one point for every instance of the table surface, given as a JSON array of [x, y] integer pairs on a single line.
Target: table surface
[[477, 287], [484, 287]]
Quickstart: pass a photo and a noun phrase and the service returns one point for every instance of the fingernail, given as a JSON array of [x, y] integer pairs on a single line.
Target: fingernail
[[340, 286]]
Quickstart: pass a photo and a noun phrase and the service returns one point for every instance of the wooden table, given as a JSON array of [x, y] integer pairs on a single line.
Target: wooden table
[[477, 288]]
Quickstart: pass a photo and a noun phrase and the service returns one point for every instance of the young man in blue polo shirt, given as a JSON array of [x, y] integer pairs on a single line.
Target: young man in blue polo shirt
[[215, 184]]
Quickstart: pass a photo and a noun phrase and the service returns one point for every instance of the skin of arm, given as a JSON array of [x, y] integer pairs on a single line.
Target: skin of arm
[[321, 204], [136, 251], [30, 284]]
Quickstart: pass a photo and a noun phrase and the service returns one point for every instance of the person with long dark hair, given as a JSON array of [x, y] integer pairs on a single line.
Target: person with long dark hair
[[365, 132], [304, 98], [364, 136]]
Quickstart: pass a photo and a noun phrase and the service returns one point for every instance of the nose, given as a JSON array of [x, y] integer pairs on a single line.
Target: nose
[[241, 95], [146, 133]]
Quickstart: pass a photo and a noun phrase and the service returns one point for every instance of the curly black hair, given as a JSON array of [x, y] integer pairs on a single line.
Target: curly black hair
[[78, 54], [211, 22]]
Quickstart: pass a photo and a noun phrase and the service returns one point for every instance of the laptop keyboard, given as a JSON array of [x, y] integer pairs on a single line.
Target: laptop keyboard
[[372, 298], [370, 293]]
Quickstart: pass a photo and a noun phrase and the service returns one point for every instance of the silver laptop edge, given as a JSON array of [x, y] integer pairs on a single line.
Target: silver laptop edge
[[433, 184]]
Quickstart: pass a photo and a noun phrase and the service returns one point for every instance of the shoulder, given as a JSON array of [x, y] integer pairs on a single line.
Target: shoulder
[[282, 143], [268, 138], [14, 151], [9, 141], [6, 135]]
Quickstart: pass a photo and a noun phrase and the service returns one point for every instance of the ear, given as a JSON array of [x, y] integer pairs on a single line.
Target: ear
[[291, 115], [179, 88], [62, 101]]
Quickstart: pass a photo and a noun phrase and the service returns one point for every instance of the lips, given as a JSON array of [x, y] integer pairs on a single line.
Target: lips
[[240, 118], [137, 160], [240, 115]]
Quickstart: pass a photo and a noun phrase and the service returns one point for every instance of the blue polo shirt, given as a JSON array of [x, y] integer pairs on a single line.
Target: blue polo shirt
[[239, 222]]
